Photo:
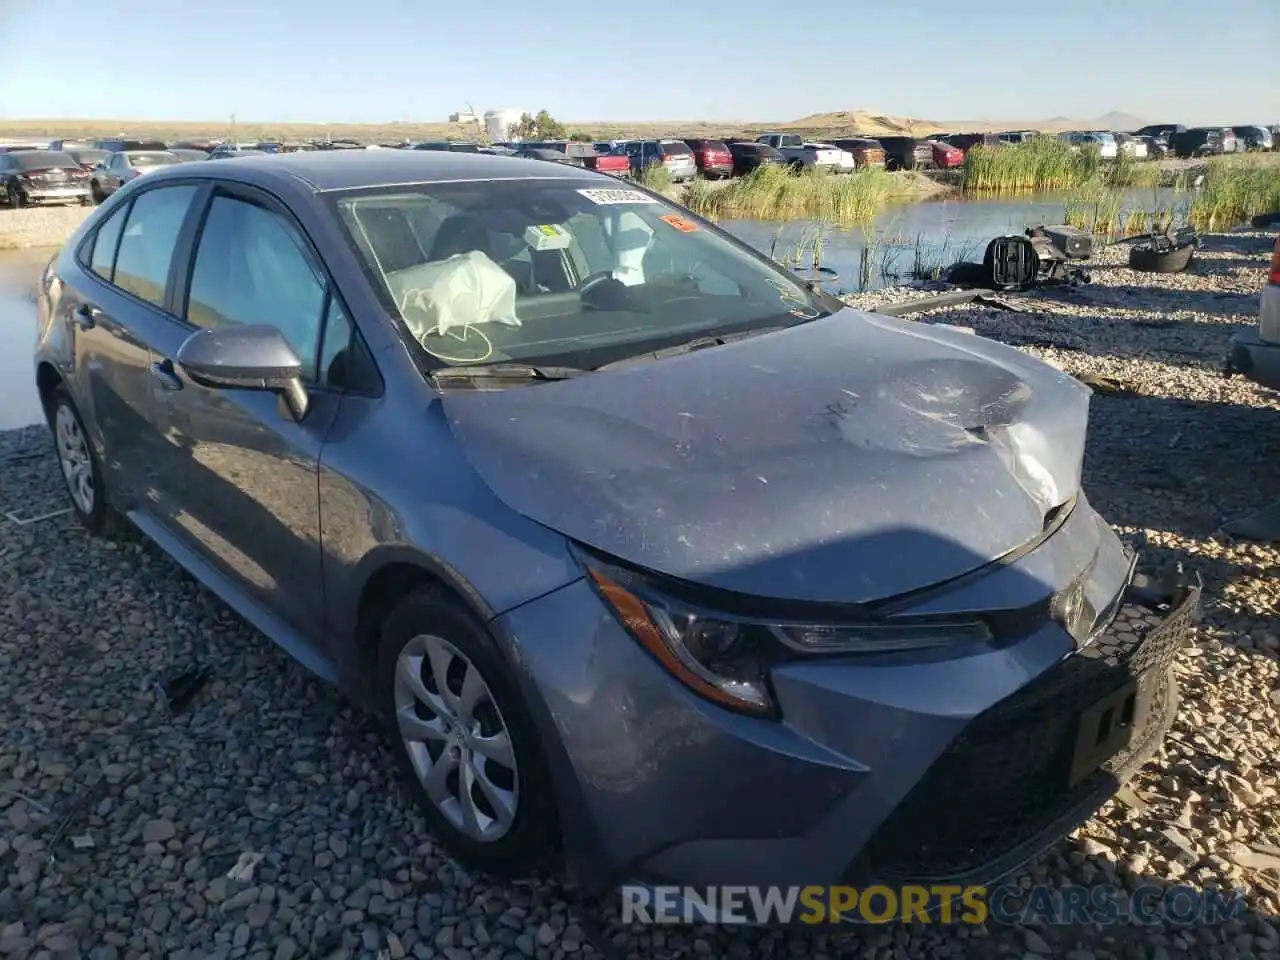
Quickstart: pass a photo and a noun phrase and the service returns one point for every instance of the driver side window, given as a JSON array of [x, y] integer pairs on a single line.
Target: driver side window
[[251, 267]]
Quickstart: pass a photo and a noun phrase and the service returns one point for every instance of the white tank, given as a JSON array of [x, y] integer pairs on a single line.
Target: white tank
[[497, 123]]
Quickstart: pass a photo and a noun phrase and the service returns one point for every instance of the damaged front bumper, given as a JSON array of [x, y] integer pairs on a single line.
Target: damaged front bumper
[[1036, 765]]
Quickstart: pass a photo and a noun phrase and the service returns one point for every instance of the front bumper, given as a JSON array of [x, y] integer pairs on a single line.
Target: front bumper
[[1251, 355], [942, 770]]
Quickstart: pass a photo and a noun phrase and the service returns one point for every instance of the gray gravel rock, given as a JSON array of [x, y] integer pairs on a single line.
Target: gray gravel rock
[[269, 761]]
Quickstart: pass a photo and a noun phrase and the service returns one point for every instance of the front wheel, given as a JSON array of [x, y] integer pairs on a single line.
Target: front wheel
[[13, 196], [462, 736], [96, 195]]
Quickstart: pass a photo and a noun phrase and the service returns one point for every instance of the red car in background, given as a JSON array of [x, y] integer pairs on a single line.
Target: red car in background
[[712, 157], [585, 153], [945, 156]]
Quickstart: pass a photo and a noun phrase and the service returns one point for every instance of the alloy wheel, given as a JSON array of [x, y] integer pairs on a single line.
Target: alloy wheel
[[73, 455], [456, 738]]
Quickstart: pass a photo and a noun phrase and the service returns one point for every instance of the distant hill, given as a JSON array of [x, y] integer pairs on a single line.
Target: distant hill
[[832, 124], [874, 124]]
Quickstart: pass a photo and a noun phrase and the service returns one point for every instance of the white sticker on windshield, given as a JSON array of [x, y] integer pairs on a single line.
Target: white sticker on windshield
[[610, 197]]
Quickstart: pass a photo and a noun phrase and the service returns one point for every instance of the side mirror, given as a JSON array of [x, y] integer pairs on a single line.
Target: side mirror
[[251, 357]]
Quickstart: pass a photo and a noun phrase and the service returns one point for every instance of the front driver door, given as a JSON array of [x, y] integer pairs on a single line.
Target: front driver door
[[240, 477]]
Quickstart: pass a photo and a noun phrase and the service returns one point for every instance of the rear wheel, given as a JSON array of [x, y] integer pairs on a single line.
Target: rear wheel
[[80, 468], [462, 736], [13, 195], [96, 195]]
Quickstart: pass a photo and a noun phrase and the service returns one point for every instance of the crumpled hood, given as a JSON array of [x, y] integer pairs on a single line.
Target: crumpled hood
[[843, 460]]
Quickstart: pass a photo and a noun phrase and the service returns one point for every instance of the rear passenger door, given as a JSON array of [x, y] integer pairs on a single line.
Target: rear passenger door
[[240, 476], [115, 306]]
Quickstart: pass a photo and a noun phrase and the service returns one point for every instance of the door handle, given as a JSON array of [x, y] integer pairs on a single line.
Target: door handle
[[87, 316], [163, 371]]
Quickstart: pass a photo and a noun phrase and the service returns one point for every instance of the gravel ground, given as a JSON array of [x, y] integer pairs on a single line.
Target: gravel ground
[[39, 226], [119, 823]]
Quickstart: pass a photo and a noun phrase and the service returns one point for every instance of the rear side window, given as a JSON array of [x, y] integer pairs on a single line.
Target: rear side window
[[105, 241], [252, 268], [146, 246], [675, 147]]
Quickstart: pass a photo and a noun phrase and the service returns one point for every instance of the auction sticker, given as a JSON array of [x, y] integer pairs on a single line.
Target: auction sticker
[[680, 223], [608, 197]]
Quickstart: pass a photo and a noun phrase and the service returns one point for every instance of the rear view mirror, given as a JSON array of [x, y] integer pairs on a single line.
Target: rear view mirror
[[250, 357]]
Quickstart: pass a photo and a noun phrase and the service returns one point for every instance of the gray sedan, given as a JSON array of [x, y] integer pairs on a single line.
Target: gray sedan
[[649, 556]]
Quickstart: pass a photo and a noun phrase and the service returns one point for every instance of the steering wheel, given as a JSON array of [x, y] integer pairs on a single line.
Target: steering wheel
[[594, 280]]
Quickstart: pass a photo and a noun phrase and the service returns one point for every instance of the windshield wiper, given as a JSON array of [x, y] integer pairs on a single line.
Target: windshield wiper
[[688, 346], [511, 372]]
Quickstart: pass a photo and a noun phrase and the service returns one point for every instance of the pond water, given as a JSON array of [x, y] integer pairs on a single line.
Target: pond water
[[19, 269], [914, 238]]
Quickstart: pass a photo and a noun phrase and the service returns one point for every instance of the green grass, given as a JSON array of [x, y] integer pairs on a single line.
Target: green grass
[[1095, 206], [655, 177], [1047, 163], [775, 193], [1235, 189]]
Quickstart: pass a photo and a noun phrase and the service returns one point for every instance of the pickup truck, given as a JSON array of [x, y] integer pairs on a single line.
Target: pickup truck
[[587, 153], [799, 153]]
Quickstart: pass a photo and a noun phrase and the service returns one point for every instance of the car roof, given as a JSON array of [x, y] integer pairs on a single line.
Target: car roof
[[325, 170]]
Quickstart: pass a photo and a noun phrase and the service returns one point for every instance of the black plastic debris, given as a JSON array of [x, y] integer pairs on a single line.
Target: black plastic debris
[[1071, 242], [177, 692], [1011, 262]]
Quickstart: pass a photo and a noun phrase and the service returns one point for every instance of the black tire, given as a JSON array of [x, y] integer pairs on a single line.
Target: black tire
[[96, 195], [532, 838], [1145, 258], [13, 196], [101, 519]]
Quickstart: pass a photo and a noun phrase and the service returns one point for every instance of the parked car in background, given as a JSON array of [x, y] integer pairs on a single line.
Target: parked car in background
[[118, 145], [88, 157], [523, 576], [866, 152], [585, 154], [801, 154], [1202, 142], [276, 146], [1104, 143], [1135, 148], [946, 156], [906, 153], [125, 166], [1157, 149], [1256, 353], [187, 155], [66, 146], [1018, 136], [525, 152], [229, 151], [712, 157], [448, 146], [846, 162], [1160, 135], [29, 177], [748, 155], [674, 155], [1252, 138], [18, 147], [966, 141], [204, 146]]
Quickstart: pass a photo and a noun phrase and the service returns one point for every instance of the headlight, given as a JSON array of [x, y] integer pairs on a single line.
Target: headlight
[[727, 659]]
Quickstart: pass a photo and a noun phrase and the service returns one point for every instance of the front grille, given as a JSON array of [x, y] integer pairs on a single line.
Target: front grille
[[1007, 778]]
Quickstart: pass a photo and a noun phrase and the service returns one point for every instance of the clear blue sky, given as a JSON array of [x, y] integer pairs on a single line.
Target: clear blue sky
[[379, 60]]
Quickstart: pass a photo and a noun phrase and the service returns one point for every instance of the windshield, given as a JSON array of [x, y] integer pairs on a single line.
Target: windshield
[[564, 271], [151, 159], [41, 160]]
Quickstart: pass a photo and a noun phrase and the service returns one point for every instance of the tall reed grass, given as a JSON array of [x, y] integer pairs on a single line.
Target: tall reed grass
[[1047, 163], [1235, 189], [775, 193]]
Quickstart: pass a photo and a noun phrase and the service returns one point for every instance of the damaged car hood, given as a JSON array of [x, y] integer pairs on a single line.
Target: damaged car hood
[[843, 460]]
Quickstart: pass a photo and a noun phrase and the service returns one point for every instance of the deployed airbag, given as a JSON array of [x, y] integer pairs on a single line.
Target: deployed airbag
[[449, 295]]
